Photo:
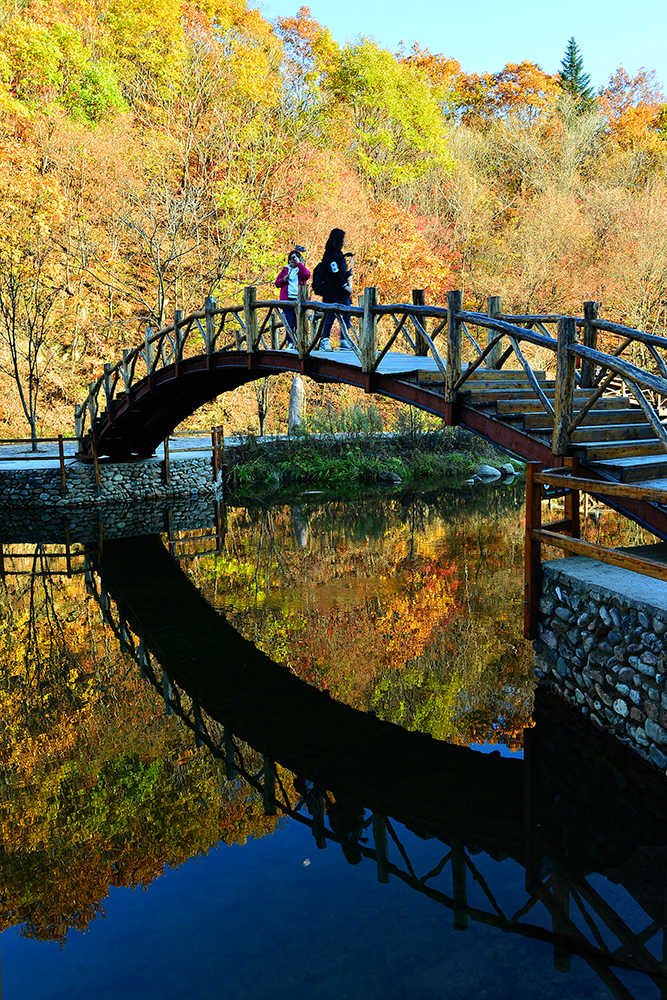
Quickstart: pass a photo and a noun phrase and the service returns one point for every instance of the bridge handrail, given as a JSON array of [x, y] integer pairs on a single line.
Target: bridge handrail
[[599, 369], [565, 534]]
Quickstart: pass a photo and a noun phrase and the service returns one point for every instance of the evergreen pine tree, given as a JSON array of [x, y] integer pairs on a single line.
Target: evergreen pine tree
[[573, 80]]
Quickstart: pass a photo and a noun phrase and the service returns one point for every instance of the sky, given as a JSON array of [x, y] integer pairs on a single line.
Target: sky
[[487, 34]]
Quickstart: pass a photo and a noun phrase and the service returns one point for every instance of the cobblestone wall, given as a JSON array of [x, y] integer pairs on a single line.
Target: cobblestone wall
[[603, 648], [108, 520], [122, 481]]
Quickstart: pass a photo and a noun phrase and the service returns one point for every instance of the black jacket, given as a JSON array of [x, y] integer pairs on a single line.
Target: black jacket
[[336, 275]]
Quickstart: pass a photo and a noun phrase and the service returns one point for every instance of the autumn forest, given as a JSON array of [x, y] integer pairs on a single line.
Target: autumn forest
[[155, 153]]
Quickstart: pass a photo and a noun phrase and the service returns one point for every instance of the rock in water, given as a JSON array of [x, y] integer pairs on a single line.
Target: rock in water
[[389, 477], [507, 469], [488, 473]]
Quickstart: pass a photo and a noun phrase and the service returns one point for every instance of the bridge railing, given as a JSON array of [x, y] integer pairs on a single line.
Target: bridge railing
[[449, 335], [564, 534]]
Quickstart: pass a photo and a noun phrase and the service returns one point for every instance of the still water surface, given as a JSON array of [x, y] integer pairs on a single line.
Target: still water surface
[[138, 859]]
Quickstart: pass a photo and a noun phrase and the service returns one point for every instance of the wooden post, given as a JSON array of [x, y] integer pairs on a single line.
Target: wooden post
[[275, 342], [214, 453], [571, 511], [230, 766], [108, 390], [590, 340], [369, 330], [149, 352], [209, 306], [223, 458], [421, 345], [381, 847], [564, 401], [166, 461], [220, 526], [250, 318], [127, 370], [301, 320], [317, 804], [494, 307], [453, 373], [96, 464], [63, 475], [460, 892], [170, 535], [561, 928], [269, 789], [532, 553], [78, 424], [178, 347], [532, 854], [68, 551]]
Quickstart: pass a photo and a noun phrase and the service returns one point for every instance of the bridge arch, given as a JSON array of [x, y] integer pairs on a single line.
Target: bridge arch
[[142, 418]]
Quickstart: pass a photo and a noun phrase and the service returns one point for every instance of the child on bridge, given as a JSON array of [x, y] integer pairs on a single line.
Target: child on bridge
[[296, 273]]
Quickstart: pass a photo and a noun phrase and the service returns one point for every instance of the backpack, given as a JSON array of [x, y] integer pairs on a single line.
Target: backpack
[[319, 278]]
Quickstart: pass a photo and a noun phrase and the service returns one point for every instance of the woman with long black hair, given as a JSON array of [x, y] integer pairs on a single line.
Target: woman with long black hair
[[336, 286]]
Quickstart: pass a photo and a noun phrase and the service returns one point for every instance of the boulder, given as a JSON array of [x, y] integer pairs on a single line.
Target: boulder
[[507, 469], [488, 473], [389, 477]]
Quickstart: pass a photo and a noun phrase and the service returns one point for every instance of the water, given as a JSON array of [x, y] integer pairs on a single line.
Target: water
[[391, 864]]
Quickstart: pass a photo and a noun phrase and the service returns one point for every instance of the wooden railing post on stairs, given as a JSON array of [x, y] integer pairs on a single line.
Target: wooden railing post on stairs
[[494, 307], [564, 401], [590, 340], [368, 338], [454, 333], [532, 552], [421, 345]]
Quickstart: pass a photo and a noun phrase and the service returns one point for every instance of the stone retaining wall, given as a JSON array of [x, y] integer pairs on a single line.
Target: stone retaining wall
[[108, 520], [120, 482], [602, 647]]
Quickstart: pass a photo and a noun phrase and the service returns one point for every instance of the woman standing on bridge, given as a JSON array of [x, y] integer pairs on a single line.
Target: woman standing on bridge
[[335, 286], [296, 273]]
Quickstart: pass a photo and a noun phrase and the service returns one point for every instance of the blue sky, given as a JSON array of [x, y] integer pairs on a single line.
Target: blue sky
[[487, 34]]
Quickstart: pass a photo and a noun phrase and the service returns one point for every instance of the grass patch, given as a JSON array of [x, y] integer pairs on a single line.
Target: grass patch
[[420, 456]]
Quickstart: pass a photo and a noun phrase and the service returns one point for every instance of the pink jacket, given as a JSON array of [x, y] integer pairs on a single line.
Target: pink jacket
[[281, 280]]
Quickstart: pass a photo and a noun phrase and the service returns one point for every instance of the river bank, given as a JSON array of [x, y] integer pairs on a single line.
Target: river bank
[[248, 466]]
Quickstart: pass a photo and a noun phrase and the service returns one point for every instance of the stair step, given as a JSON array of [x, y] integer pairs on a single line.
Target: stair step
[[594, 417], [599, 451], [617, 433], [641, 469], [490, 376], [513, 406]]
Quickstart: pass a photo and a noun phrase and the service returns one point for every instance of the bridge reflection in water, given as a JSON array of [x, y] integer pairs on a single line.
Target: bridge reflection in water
[[576, 808]]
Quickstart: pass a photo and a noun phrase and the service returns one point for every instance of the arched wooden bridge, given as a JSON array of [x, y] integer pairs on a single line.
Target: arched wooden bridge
[[563, 397]]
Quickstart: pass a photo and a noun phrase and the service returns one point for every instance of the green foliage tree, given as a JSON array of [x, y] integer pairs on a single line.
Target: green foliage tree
[[397, 122], [573, 80]]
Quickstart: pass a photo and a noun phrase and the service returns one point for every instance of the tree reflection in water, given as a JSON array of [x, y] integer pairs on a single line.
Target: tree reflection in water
[[99, 789]]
